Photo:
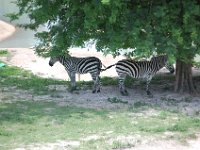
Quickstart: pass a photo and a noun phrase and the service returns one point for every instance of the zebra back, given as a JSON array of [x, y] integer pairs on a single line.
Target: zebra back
[[81, 65], [138, 69]]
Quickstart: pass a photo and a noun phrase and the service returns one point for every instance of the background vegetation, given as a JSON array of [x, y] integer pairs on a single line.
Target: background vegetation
[[140, 28]]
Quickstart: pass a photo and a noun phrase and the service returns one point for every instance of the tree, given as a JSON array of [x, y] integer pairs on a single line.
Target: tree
[[145, 26]]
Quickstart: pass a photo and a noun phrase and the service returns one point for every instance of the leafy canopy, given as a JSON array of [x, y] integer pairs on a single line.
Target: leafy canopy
[[145, 26]]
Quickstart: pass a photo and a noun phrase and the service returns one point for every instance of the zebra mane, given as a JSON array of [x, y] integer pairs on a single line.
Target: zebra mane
[[136, 60], [158, 57]]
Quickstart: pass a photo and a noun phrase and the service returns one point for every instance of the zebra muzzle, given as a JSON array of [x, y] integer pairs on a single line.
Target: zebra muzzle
[[50, 64]]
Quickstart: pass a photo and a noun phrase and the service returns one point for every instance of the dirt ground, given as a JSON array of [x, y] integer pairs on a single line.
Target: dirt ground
[[25, 58], [6, 30], [165, 99]]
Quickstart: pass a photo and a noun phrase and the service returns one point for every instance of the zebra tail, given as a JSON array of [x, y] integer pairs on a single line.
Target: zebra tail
[[108, 67]]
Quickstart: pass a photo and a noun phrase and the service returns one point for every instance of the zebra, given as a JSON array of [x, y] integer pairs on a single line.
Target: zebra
[[168, 66], [84, 65], [138, 69]]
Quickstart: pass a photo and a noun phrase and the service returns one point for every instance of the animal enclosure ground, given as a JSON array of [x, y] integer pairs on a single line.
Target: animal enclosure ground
[[40, 113], [57, 119]]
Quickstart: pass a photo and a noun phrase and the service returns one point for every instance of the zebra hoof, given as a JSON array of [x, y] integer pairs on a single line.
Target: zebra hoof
[[124, 93], [72, 89], [96, 91], [149, 94]]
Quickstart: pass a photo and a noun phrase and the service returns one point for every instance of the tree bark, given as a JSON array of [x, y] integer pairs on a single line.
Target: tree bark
[[184, 81]]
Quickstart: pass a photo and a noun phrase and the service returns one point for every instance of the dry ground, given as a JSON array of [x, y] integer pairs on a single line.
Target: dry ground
[[6, 30]]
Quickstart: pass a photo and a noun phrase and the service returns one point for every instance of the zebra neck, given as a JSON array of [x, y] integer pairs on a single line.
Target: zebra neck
[[62, 59], [156, 65]]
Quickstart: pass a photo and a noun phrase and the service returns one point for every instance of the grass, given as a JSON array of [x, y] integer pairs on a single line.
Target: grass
[[28, 122], [3, 52], [16, 77], [116, 100]]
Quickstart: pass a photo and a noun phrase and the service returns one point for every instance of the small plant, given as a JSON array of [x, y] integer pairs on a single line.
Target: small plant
[[3, 52], [168, 100], [121, 145], [109, 81], [139, 104], [84, 84], [116, 100], [187, 99], [129, 81]]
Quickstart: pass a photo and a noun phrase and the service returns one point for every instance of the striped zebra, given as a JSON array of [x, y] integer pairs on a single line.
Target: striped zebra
[[138, 69], [168, 66], [85, 65]]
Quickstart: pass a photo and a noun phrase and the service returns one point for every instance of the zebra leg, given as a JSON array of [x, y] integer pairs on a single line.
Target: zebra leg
[[147, 86], [122, 88], [98, 84], [96, 80], [72, 76]]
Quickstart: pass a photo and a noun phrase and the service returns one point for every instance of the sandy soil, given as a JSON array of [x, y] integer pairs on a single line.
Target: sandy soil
[[25, 58], [6, 30]]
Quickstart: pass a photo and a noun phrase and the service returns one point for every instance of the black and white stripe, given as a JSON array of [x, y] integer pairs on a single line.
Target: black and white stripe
[[85, 65], [138, 69], [170, 67]]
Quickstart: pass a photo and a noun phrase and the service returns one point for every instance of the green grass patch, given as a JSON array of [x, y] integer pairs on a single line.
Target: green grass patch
[[140, 104], [14, 76], [25, 80], [121, 145], [28, 122], [116, 100], [3, 52], [129, 81], [17, 77], [106, 81]]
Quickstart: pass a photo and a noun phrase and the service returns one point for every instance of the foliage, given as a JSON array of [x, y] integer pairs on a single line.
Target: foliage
[[145, 26], [116, 100]]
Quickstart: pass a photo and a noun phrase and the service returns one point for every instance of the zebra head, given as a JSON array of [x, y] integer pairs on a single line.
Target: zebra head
[[170, 67], [53, 60], [161, 60]]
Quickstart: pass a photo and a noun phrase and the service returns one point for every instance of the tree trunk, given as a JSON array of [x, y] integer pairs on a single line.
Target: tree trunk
[[184, 81]]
